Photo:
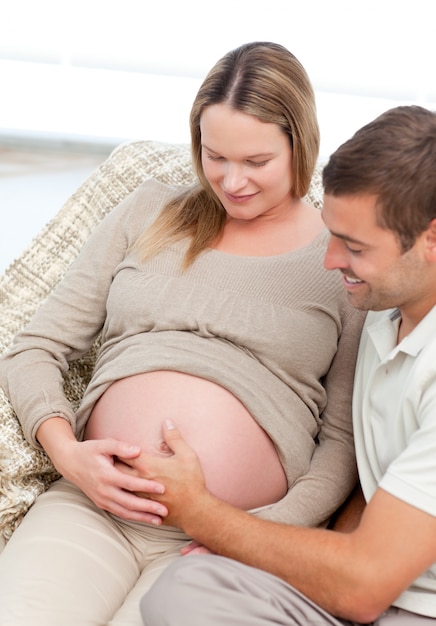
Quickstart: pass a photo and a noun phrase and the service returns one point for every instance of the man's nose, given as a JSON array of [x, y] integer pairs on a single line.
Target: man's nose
[[335, 257]]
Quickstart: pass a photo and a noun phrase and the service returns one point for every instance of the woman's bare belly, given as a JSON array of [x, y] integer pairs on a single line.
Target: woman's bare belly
[[239, 460]]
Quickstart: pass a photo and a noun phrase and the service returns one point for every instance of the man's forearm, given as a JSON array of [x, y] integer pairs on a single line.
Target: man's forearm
[[314, 561], [354, 575]]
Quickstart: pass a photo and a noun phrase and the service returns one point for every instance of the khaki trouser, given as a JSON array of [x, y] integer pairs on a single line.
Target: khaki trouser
[[209, 590], [71, 564]]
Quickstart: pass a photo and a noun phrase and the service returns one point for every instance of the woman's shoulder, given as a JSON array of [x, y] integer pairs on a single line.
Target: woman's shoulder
[[154, 191], [144, 203]]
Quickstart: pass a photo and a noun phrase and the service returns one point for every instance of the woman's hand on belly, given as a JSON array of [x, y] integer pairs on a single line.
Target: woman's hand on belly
[[92, 466]]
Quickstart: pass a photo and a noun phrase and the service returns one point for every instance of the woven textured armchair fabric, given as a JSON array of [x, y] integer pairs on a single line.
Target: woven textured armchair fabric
[[24, 471]]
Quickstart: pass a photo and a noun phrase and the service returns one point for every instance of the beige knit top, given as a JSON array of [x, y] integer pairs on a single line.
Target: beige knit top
[[277, 332]]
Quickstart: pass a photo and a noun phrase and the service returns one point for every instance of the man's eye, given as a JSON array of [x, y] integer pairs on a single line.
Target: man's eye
[[353, 250]]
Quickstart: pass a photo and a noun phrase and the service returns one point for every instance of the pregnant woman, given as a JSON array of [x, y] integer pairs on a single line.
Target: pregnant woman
[[214, 309]]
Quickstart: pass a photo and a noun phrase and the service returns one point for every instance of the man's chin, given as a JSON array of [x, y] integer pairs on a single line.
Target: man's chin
[[362, 305], [359, 303]]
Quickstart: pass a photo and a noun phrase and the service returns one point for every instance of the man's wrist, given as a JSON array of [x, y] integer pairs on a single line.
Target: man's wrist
[[203, 519]]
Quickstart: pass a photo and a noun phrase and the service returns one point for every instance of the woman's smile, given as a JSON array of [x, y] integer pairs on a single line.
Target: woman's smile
[[239, 199]]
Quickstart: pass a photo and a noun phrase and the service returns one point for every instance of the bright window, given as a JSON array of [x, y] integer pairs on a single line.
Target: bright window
[[109, 71]]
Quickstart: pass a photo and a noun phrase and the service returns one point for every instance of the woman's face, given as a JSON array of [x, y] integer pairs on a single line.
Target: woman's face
[[247, 162]]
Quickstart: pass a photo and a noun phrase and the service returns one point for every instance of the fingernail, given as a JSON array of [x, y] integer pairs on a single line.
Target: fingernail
[[169, 424]]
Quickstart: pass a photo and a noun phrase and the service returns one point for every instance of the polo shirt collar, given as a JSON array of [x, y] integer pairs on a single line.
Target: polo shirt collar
[[382, 328]]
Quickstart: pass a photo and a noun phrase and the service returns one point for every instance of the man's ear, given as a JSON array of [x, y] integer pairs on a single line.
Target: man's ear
[[430, 241]]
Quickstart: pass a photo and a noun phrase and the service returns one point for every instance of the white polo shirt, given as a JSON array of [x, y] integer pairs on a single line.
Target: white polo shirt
[[394, 413]]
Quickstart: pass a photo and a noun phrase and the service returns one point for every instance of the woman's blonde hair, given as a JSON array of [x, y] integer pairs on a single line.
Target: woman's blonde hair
[[262, 79]]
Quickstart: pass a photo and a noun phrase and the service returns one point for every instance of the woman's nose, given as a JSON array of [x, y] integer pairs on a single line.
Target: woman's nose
[[234, 177]]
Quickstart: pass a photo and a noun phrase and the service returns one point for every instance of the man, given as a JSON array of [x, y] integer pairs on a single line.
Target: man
[[380, 208]]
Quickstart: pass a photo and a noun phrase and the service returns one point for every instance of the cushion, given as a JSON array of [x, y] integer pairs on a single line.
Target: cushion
[[24, 471]]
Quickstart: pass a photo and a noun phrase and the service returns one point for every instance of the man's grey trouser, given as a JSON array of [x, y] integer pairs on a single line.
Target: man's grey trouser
[[208, 590]]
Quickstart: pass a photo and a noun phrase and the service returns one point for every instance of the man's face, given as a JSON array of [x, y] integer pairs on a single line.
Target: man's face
[[376, 274]]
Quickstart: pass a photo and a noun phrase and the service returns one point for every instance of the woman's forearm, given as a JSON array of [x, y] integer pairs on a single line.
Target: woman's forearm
[[348, 517], [321, 491]]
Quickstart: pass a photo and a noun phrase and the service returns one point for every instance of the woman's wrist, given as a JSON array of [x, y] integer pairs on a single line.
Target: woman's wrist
[[55, 435]]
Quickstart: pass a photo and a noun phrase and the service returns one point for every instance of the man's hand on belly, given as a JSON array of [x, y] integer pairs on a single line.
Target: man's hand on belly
[[190, 505], [180, 475]]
